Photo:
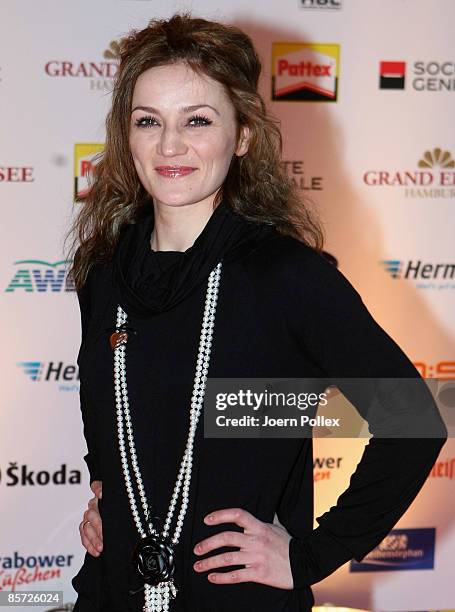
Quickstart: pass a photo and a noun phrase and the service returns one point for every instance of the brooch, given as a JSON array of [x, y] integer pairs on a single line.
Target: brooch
[[121, 336], [153, 560]]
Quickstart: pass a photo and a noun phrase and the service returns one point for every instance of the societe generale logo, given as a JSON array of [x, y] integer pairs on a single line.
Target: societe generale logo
[[392, 75]]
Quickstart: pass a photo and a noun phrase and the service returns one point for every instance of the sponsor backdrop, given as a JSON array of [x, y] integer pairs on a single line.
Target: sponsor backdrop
[[365, 91]]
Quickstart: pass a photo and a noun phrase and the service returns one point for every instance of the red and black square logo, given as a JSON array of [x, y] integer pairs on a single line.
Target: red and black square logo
[[392, 75]]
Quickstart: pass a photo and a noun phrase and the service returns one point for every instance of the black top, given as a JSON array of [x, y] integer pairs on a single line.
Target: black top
[[283, 311]]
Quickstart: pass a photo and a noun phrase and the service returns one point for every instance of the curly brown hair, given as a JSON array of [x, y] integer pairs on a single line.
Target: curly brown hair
[[256, 185]]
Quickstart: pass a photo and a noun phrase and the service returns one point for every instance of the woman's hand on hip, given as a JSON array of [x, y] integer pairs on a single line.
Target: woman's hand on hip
[[264, 551], [91, 528]]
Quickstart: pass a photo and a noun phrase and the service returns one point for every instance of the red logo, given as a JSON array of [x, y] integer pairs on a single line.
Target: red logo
[[444, 469], [392, 75], [16, 174]]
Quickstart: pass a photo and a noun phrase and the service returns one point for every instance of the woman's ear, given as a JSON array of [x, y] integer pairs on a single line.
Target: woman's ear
[[244, 141]]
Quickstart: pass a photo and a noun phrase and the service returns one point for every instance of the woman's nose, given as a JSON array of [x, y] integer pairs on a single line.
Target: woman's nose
[[171, 142]]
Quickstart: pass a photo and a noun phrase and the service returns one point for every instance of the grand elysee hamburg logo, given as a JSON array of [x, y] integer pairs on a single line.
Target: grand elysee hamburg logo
[[16, 174], [85, 157], [305, 72], [432, 177], [100, 74]]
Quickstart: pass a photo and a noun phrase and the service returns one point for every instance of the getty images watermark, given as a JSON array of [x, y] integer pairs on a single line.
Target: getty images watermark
[[341, 408]]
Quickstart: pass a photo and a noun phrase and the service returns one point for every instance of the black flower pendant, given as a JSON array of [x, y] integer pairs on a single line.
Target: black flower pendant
[[153, 559]]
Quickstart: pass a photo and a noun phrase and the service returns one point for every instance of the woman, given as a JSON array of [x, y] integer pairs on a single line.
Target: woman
[[189, 207]]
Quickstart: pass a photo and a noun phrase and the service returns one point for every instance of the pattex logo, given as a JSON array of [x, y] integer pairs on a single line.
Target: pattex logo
[[86, 156], [428, 275], [305, 72], [39, 276]]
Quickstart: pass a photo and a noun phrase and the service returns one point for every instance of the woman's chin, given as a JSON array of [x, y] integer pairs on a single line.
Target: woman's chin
[[174, 200]]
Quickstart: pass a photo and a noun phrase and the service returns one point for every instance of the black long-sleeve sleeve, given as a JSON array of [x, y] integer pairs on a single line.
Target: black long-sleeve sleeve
[[335, 328], [88, 416]]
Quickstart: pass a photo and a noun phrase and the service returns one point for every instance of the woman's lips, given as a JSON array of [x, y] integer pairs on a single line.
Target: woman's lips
[[174, 171]]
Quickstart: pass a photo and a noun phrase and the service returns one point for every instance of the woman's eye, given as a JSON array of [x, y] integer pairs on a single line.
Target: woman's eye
[[149, 121], [146, 121], [198, 120]]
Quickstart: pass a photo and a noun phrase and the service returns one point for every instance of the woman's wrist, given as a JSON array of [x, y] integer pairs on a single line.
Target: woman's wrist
[[315, 556]]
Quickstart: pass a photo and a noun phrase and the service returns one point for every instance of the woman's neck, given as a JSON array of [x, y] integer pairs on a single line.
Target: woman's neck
[[177, 227]]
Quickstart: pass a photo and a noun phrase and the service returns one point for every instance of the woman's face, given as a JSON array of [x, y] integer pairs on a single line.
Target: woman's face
[[183, 134]]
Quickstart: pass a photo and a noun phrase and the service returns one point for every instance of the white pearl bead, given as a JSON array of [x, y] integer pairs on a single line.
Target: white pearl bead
[[157, 599]]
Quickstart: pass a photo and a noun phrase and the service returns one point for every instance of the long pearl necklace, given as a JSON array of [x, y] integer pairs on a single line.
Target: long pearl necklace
[[154, 556]]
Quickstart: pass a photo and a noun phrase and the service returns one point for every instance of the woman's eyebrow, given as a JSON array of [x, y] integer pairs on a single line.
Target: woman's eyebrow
[[190, 109], [185, 109]]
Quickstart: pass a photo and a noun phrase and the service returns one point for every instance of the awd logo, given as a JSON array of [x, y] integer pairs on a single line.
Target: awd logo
[[444, 273], [305, 72], [402, 549], [36, 275], [84, 162]]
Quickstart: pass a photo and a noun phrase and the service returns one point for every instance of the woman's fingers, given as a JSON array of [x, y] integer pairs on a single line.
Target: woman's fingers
[[225, 559], [97, 488], [93, 503], [239, 516], [91, 527], [264, 551], [244, 575], [96, 523], [89, 539], [225, 538]]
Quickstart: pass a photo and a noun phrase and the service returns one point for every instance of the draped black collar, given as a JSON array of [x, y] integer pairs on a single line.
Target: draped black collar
[[144, 286]]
